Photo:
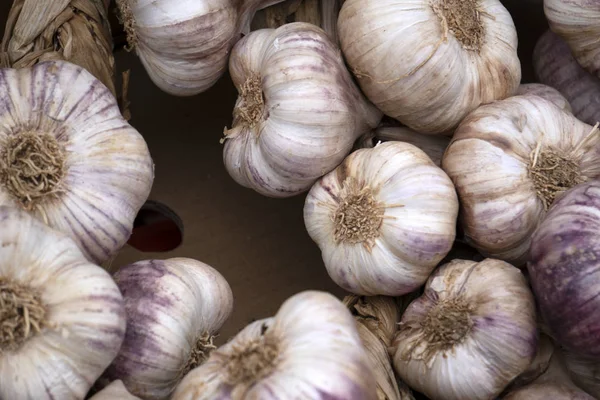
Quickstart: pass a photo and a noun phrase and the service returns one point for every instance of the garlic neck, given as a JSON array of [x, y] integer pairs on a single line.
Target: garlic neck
[[358, 216], [461, 18], [32, 166], [252, 361], [22, 315], [447, 324], [553, 172], [128, 21], [199, 353], [251, 108]]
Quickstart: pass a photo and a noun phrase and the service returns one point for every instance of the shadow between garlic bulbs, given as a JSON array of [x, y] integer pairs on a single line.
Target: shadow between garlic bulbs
[[298, 113], [383, 219]]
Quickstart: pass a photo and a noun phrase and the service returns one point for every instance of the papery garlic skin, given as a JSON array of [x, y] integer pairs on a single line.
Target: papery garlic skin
[[493, 160], [309, 350], [115, 391], [383, 219], [470, 334], [576, 21], [546, 92], [298, 112], [174, 308], [411, 64], [584, 372], [96, 172], [76, 305]]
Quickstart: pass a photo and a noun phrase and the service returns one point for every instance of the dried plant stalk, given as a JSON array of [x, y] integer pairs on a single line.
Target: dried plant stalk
[[77, 31], [377, 320]]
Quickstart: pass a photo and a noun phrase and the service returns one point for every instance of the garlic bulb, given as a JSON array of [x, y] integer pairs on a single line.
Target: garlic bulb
[[554, 65], [377, 320], [115, 391], [68, 157], [470, 334], [298, 112], [174, 309], [509, 160], [584, 372], [539, 365], [576, 21], [184, 44], [428, 63], [62, 318], [383, 219], [309, 350], [546, 92]]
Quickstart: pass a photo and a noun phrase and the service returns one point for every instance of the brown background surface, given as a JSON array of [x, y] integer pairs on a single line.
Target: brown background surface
[[258, 244]]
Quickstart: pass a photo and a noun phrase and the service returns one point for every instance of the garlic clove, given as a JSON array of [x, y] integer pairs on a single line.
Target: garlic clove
[[383, 219], [115, 391], [174, 309], [62, 319], [470, 334], [96, 171], [546, 92], [298, 112], [310, 349]]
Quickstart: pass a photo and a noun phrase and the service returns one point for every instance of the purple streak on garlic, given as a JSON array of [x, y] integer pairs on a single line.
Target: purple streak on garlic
[[564, 269], [555, 66], [546, 92], [470, 334], [62, 319], [174, 309], [383, 219], [69, 158], [298, 112], [310, 350]]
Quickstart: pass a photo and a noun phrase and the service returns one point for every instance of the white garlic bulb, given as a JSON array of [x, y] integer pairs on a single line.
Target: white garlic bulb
[[470, 334], [174, 308], [546, 92], [309, 350], [576, 21], [68, 157], [298, 112], [115, 391], [184, 44], [428, 63], [62, 319], [509, 161], [383, 219]]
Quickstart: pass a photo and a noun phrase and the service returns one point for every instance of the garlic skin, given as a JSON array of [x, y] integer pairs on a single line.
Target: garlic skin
[[576, 21], [470, 334], [184, 44], [298, 112], [545, 92], [115, 391], [441, 67], [174, 309], [433, 145], [584, 372], [496, 160], [310, 350], [383, 219], [69, 158], [62, 318]]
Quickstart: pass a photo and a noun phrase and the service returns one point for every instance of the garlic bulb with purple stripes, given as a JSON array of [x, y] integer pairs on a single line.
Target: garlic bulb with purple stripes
[[470, 334], [174, 307], [62, 319], [309, 350], [68, 157]]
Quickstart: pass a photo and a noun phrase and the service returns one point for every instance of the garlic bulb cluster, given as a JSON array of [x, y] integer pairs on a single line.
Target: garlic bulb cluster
[[383, 219], [62, 319], [509, 161], [428, 63], [184, 44], [470, 334], [576, 21], [310, 350], [377, 320], [584, 372], [545, 92], [554, 65], [174, 308], [298, 113], [68, 157], [115, 391]]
